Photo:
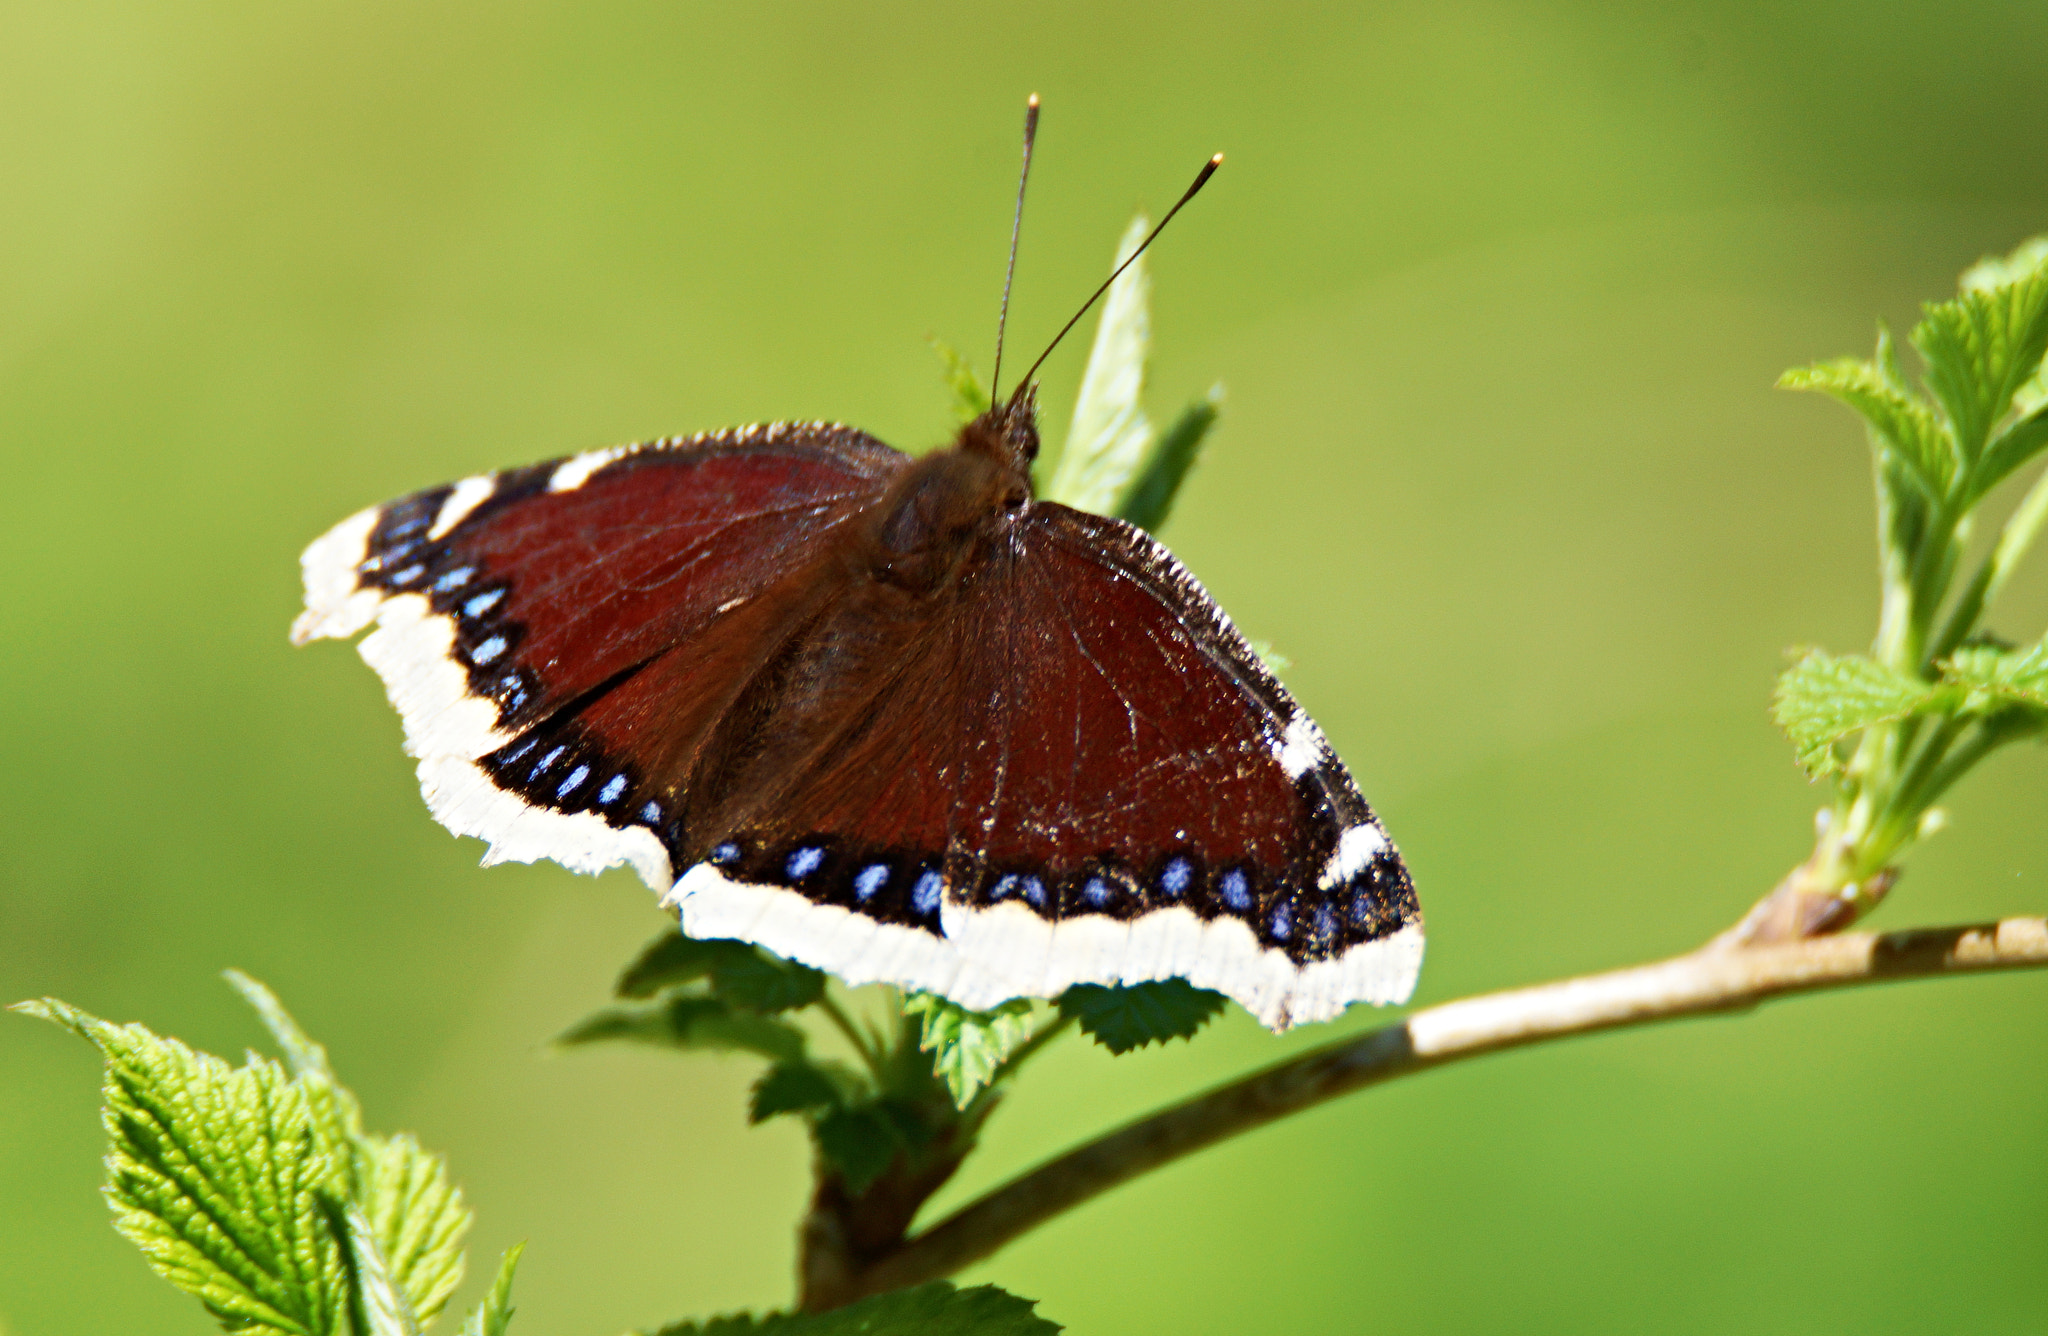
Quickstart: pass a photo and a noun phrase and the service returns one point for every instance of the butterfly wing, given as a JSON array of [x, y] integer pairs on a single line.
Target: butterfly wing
[[520, 613], [1074, 772]]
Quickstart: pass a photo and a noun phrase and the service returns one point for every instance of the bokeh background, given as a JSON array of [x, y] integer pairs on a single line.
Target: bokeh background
[[1498, 289]]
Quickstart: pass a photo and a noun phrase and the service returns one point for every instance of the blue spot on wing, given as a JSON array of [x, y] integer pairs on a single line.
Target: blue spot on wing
[[803, 862], [924, 896]]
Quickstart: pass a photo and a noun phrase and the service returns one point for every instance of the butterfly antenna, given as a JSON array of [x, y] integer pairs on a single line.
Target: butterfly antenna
[[1201, 179], [1016, 228]]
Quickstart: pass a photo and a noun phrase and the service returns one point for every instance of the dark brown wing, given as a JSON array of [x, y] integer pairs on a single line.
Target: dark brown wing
[[519, 612], [1074, 770]]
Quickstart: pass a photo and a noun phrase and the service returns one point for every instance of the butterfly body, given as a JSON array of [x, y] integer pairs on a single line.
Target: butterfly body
[[894, 717]]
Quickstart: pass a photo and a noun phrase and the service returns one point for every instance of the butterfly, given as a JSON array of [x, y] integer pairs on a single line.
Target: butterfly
[[895, 717]]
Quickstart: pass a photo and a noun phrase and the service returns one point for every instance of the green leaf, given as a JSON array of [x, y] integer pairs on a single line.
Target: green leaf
[[1148, 499], [413, 1210], [800, 1087], [229, 1180], [301, 1054], [2000, 678], [671, 960], [1822, 699], [381, 1306], [936, 1309], [1110, 433], [494, 1314], [761, 981], [967, 1046], [1986, 344], [306, 1060], [692, 1023], [416, 1216], [970, 396], [740, 973], [2008, 454], [859, 1142], [1138, 1014], [1901, 424]]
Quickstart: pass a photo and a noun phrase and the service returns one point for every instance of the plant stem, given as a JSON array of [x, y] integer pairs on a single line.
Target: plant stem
[[1701, 982], [2013, 541]]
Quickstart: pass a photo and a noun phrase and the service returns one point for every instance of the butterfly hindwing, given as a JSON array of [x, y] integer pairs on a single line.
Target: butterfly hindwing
[[1075, 771]]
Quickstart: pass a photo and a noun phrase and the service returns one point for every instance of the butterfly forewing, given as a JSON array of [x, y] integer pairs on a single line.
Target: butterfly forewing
[[516, 610]]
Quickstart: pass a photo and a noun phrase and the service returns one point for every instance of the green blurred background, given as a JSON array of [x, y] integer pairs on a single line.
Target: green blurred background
[[1498, 291]]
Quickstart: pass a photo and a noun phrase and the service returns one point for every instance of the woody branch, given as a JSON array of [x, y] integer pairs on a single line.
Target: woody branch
[[1721, 976]]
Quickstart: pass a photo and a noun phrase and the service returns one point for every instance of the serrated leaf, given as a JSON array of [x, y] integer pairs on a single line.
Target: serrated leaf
[[670, 961], [1999, 677], [761, 981], [740, 973], [1822, 699], [936, 1309], [1134, 1015], [797, 1087], [689, 1022], [384, 1309], [967, 1046], [1110, 433], [1149, 498], [302, 1054], [494, 1314], [859, 1142], [2011, 452], [417, 1217], [1901, 424], [970, 396], [228, 1179], [415, 1213], [1986, 344], [306, 1059]]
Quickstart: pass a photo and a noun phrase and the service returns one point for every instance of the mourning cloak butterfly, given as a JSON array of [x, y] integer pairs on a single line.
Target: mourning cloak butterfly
[[893, 717]]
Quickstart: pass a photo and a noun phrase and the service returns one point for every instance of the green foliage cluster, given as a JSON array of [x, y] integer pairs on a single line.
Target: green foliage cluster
[[925, 1073], [1896, 727], [257, 1189]]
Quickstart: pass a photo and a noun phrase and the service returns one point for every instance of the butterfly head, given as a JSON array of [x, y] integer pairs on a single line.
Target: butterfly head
[[946, 505], [1007, 433]]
